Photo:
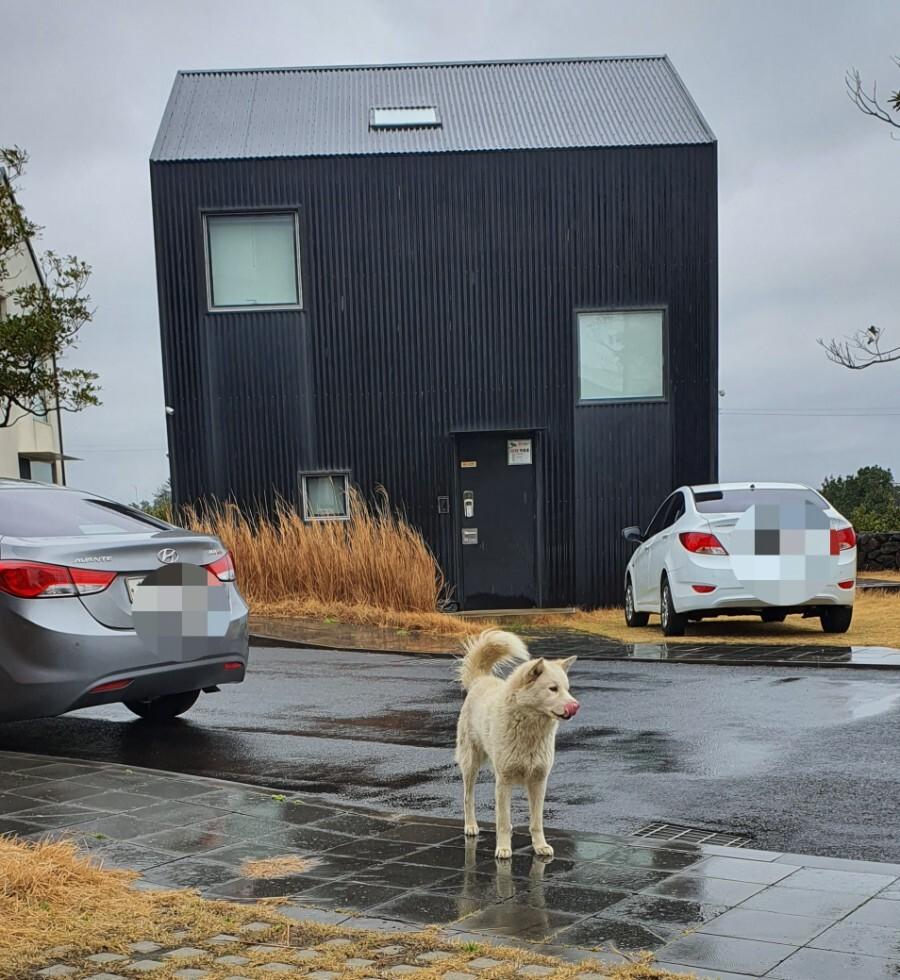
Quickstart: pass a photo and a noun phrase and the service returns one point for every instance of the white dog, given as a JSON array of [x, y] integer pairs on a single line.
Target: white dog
[[512, 723]]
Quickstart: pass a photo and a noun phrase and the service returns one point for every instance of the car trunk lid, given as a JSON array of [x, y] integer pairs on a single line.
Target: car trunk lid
[[723, 525], [130, 556]]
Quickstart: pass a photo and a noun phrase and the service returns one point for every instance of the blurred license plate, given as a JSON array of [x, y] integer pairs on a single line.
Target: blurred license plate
[[131, 584]]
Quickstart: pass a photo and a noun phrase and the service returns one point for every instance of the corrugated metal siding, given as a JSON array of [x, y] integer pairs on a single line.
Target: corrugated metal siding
[[488, 106], [441, 296]]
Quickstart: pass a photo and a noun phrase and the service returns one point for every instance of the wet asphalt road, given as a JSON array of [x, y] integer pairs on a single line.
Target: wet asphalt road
[[802, 760]]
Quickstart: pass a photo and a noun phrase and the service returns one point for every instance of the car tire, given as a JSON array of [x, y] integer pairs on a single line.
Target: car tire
[[673, 623], [165, 708], [836, 619], [772, 616], [632, 616]]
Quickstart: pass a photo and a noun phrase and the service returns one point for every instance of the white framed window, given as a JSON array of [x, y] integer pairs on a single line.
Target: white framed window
[[621, 356], [252, 260], [404, 117], [37, 470], [326, 497], [39, 409]]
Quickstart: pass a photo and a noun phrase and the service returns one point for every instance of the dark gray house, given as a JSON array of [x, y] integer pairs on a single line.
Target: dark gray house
[[490, 288]]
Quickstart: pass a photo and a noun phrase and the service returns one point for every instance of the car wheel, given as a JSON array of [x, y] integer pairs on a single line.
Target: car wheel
[[672, 623], [165, 708], [632, 616], [836, 619], [772, 616]]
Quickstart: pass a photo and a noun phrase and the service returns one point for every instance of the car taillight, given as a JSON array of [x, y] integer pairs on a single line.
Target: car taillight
[[703, 589], [36, 580], [110, 686], [700, 543], [842, 539], [222, 568]]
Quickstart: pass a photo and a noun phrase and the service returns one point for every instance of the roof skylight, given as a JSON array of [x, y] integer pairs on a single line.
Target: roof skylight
[[404, 117]]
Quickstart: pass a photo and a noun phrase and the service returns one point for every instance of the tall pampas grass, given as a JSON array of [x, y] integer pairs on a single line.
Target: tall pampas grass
[[376, 559]]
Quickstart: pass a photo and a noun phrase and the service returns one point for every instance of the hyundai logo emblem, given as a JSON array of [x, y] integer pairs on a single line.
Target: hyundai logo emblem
[[167, 556]]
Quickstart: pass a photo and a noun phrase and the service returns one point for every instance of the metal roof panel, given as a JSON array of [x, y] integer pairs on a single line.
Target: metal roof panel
[[324, 111]]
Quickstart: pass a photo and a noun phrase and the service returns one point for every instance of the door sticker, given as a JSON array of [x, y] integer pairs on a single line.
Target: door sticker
[[518, 452], [470, 535], [468, 464]]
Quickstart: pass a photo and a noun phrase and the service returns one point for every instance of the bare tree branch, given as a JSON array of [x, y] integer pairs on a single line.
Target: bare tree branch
[[859, 351], [864, 348], [868, 102]]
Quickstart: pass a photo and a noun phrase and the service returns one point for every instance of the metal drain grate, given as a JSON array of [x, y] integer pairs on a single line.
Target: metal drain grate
[[668, 832]]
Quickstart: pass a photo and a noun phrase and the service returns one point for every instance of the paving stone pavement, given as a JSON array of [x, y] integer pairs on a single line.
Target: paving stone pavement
[[714, 911]]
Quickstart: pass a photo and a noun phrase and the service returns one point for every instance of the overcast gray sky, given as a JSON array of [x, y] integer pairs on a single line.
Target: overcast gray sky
[[808, 202]]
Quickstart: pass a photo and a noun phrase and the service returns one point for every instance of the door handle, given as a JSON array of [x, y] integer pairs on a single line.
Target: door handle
[[468, 499]]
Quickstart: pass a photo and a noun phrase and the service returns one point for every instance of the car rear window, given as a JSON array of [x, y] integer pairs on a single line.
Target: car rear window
[[36, 513], [739, 501]]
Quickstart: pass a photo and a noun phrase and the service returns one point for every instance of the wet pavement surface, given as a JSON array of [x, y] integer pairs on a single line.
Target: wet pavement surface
[[715, 910], [799, 760], [559, 642]]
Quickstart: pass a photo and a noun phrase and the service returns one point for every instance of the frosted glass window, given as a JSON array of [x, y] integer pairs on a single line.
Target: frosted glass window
[[42, 472], [253, 260], [408, 117], [620, 355], [325, 497]]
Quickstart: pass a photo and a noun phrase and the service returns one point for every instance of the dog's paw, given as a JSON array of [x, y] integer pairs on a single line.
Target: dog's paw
[[543, 850], [471, 830], [503, 853]]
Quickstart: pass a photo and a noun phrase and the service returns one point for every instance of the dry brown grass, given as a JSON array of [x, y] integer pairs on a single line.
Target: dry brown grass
[[368, 615], [50, 896], [278, 867], [887, 575], [876, 622], [375, 559]]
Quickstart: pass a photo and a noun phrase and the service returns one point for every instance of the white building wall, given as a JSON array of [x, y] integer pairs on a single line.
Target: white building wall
[[28, 434]]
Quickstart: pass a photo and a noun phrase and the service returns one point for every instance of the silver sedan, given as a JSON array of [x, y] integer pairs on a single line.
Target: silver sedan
[[101, 603]]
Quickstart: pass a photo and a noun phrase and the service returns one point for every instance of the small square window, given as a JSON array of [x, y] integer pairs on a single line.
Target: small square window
[[620, 356], [325, 497], [404, 117], [252, 260]]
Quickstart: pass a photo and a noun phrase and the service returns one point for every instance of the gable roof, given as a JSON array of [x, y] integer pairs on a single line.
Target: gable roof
[[497, 105]]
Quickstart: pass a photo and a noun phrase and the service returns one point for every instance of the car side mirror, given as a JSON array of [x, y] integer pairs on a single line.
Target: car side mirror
[[633, 534]]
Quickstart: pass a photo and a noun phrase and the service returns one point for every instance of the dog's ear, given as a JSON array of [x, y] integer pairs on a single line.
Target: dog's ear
[[567, 663], [534, 671]]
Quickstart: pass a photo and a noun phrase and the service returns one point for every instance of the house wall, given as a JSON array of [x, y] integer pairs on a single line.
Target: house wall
[[439, 295], [29, 433]]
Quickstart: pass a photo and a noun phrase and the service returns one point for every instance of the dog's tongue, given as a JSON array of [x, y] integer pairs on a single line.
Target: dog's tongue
[[571, 709]]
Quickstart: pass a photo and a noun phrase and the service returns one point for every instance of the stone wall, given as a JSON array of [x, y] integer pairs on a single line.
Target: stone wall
[[878, 551]]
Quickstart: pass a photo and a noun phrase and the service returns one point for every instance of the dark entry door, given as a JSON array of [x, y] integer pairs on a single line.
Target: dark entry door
[[497, 509]]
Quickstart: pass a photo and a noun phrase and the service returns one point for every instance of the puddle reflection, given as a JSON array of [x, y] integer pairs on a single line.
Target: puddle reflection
[[524, 896]]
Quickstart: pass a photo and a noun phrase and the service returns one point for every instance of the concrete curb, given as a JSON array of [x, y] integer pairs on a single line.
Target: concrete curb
[[264, 640]]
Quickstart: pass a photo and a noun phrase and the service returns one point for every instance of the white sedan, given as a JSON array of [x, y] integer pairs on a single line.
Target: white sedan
[[733, 549]]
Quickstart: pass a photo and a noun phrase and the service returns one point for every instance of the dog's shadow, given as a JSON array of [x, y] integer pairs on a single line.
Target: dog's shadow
[[507, 886]]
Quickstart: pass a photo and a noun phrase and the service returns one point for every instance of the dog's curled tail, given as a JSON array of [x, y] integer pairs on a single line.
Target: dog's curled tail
[[486, 651]]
